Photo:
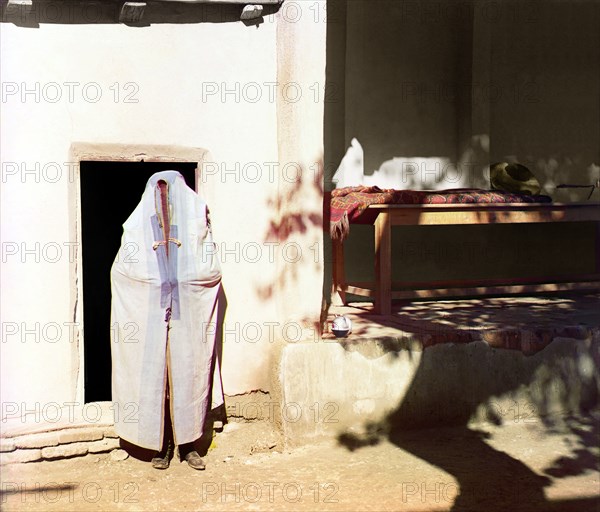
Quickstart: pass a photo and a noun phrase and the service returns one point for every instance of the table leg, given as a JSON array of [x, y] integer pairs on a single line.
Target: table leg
[[338, 295], [597, 269], [383, 264]]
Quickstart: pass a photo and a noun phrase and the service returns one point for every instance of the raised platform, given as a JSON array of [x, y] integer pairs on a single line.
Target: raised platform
[[527, 324], [446, 363]]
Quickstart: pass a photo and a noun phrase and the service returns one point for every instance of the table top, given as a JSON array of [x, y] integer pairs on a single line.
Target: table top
[[505, 206]]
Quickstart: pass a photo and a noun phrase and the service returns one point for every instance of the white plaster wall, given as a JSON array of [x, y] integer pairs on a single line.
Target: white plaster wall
[[168, 63], [302, 33]]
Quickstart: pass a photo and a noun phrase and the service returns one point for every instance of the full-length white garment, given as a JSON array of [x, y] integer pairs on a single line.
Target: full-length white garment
[[164, 314]]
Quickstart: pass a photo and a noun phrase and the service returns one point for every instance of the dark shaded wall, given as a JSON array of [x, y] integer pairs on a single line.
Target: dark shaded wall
[[453, 87], [396, 62], [549, 118]]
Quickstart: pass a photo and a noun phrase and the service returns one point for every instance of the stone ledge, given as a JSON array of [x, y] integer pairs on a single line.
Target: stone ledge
[[64, 451], [527, 341], [104, 445], [72, 436], [110, 432], [531, 341], [54, 445], [37, 440], [7, 445], [21, 456]]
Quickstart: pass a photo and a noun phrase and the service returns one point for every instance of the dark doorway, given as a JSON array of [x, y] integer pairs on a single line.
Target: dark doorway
[[110, 191]]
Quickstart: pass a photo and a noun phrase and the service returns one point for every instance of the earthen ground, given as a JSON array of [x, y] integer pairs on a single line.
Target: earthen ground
[[527, 465]]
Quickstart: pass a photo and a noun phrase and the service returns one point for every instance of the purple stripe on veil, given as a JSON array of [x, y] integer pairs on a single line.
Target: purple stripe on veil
[[167, 267]]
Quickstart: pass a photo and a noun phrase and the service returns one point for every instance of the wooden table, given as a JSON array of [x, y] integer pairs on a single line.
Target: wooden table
[[384, 216]]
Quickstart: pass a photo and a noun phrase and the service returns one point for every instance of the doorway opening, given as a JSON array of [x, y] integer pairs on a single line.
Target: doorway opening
[[110, 191]]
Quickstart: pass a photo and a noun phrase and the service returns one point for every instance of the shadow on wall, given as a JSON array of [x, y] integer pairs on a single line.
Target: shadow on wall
[[457, 387], [86, 12], [291, 219]]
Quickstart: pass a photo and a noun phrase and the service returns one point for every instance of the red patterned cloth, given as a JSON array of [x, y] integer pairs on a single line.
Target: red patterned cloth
[[347, 204]]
